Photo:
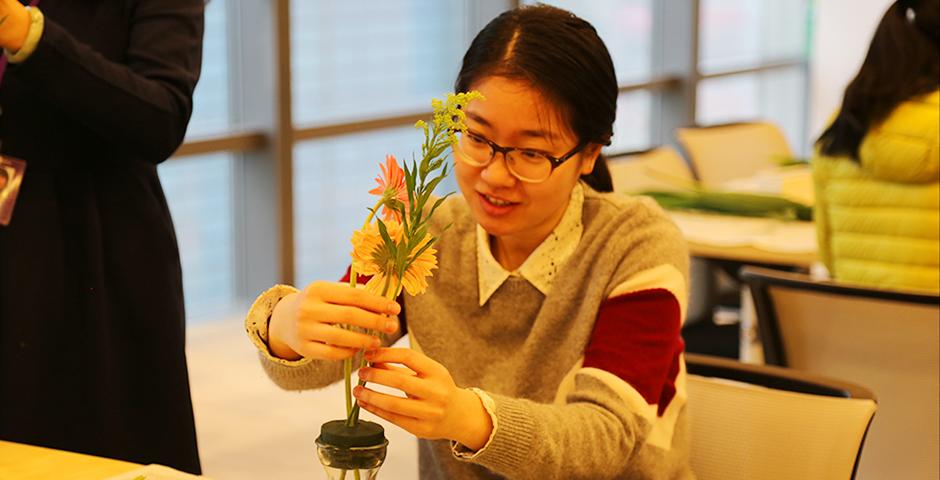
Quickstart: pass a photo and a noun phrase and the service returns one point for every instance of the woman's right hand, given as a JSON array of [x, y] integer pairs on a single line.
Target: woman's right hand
[[307, 323]]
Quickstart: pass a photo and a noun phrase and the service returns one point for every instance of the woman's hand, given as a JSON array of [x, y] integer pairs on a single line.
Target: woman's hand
[[306, 324], [434, 408], [14, 25]]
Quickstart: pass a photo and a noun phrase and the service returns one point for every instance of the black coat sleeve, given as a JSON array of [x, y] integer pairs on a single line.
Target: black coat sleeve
[[140, 103]]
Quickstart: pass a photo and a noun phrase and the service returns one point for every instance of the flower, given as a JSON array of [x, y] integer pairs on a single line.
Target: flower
[[370, 255], [397, 251], [373, 255], [420, 264], [391, 188]]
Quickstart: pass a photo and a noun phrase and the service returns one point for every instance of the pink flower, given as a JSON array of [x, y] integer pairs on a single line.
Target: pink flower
[[391, 187]]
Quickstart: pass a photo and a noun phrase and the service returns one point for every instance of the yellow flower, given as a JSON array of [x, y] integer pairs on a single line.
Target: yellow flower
[[372, 256], [416, 275]]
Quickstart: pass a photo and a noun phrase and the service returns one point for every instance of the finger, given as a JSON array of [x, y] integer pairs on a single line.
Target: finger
[[417, 361], [409, 424], [394, 368], [342, 294], [347, 315], [405, 407], [409, 384], [321, 351], [339, 337]]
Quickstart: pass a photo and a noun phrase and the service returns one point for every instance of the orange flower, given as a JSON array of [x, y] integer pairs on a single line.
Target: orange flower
[[391, 187], [371, 256]]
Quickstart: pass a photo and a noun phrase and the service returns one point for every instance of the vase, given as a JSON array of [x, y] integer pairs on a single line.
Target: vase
[[351, 453]]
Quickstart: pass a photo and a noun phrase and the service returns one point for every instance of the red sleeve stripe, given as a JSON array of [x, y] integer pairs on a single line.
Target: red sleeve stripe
[[636, 337], [360, 279], [364, 279]]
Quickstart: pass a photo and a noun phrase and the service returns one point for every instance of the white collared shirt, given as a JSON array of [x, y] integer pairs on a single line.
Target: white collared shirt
[[543, 263]]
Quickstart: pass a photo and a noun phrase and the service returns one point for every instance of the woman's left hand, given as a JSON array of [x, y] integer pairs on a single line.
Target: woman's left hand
[[434, 406]]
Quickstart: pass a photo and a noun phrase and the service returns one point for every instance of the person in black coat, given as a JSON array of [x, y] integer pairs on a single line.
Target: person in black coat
[[91, 303]]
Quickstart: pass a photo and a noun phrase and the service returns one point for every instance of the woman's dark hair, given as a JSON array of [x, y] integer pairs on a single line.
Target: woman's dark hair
[[560, 55], [903, 62]]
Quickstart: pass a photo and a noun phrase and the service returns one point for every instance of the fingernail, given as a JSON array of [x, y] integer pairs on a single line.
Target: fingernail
[[376, 343], [363, 374], [394, 308], [391, 325], [356, 391]]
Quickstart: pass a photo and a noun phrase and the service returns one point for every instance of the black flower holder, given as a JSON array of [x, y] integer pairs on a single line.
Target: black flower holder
[[359, 449]]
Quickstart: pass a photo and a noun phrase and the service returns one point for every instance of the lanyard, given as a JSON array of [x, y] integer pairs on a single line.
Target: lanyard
[[3, 60]]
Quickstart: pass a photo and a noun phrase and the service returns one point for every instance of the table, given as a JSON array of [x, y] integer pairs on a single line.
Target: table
[[28, 462], [755, 240], [748, 240]]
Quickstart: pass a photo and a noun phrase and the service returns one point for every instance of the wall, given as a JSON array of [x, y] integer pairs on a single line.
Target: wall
[[842, 30]]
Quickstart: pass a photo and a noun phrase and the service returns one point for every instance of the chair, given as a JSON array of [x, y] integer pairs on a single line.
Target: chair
[[724, 152], [763, 422], [886, 340], [660, 168]]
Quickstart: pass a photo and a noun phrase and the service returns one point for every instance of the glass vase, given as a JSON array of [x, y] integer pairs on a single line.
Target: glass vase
[[351, 453]]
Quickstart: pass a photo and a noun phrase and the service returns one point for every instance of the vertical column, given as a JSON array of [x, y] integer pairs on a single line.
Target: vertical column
[[259, 32], [675, 53]]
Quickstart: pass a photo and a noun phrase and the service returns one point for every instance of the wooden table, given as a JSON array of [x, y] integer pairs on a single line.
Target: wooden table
[[28, 462], [748, 240]]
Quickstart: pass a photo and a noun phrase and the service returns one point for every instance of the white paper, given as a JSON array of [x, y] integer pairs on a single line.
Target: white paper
[[156, 472]]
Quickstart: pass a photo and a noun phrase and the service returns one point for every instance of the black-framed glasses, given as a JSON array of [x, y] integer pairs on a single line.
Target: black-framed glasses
[[528, 165]]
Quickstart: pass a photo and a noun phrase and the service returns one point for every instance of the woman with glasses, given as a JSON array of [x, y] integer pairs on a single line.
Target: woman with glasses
[[547, 345]]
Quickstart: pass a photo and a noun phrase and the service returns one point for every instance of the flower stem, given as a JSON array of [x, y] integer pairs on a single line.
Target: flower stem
[[352, 415]]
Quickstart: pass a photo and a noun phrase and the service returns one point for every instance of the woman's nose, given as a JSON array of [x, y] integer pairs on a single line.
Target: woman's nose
[[497, 172]]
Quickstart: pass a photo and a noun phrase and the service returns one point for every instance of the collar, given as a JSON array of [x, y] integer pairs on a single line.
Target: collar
[[543, 263]]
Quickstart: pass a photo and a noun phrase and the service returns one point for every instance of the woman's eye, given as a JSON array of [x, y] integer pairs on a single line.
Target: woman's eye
[[476, 138], [531, 155]]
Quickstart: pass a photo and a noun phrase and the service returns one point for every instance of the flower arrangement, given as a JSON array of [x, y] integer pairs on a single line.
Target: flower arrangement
[[394, 245]]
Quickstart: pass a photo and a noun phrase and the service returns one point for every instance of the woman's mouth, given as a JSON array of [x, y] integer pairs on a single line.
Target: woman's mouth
[[495, 205]]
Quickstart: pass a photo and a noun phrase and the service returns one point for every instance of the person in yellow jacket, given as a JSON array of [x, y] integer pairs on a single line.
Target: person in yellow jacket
[[877, 166]]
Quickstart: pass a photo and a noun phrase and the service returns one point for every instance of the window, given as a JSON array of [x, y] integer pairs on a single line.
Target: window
[[211, 98], [777, 95], [199, 192], [766, 40], [743, 33], [356, 60], [361, 72]]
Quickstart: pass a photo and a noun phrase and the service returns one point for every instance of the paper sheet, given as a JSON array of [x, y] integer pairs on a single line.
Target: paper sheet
[[156, 472]]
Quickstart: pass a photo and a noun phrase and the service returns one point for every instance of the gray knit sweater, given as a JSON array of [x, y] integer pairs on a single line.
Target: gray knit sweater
[[585, 382]]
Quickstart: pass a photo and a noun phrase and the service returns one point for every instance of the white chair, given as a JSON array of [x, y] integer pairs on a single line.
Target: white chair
[[721, 153], [887, 340], [660, 168], [751, 422]]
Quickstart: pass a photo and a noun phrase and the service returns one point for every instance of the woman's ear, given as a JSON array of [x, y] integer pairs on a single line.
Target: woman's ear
[[588, 157]]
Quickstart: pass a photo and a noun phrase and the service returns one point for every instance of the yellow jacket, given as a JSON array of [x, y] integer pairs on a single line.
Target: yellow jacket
[[878, 221]]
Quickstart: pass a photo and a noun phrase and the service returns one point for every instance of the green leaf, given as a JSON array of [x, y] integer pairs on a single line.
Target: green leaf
[[389, 243], [733, 203], [438, 203], [434, 183]]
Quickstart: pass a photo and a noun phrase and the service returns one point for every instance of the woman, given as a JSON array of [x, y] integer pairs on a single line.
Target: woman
[[91, 304], [547, 345], [877, 166]]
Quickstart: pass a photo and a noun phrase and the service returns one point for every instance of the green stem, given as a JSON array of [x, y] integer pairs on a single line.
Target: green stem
[[347, 363], [353, 415]]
